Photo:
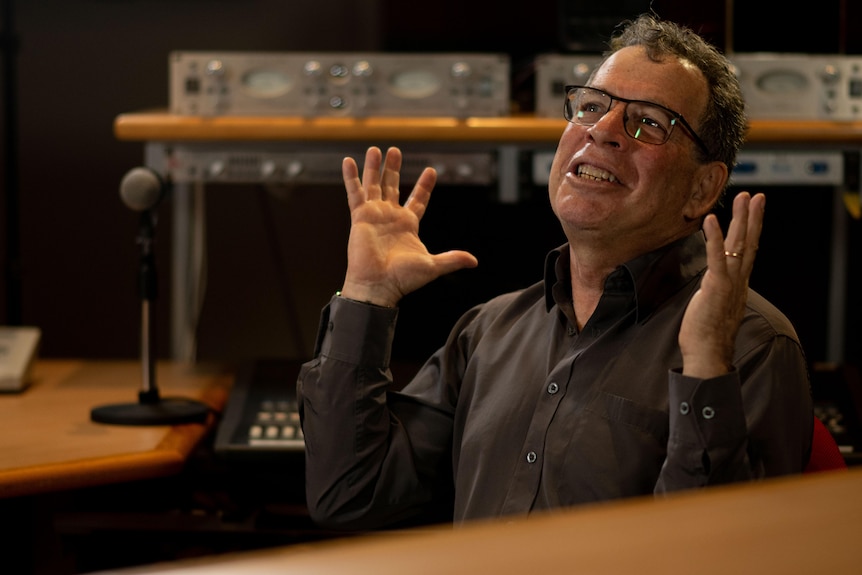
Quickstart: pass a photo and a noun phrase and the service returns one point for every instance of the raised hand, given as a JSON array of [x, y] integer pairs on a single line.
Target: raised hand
[[385, 257], [711, 321]]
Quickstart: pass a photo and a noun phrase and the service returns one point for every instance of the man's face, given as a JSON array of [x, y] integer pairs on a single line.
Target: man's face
[[605, 186]]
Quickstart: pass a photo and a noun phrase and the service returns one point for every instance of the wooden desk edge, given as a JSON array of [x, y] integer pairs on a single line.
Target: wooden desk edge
[[162, 126], [799, 524], [41, 479], [168, 458]]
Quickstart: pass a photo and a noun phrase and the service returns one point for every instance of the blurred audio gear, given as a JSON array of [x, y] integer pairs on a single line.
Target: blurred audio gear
[[586, 26], [285, 164], [789, 168], [19, 348], [556, 71], [338, 84], [800, 86]]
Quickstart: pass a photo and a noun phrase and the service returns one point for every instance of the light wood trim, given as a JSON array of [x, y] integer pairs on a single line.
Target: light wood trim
[[49, 442], [819, 131], [162, 126], [793, 526]]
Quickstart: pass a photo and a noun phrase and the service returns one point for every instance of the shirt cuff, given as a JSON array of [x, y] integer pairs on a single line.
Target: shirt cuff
[[709, 408], [359, 333]]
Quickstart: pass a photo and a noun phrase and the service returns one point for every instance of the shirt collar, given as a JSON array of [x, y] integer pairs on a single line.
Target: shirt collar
[[655, 275]]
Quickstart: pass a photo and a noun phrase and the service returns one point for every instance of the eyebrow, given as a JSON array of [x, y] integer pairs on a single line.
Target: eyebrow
[[614, 94]]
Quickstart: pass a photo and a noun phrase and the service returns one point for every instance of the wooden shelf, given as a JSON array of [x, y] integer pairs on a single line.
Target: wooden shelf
[[162, 126]]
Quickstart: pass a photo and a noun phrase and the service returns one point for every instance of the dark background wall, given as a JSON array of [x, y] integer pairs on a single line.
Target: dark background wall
[[68, 248], [80, 63]]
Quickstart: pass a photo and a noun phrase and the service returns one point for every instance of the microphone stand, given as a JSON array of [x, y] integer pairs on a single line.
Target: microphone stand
[[151, 408]]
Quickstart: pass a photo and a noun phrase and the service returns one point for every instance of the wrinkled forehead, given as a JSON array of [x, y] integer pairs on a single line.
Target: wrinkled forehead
[[670, 81]]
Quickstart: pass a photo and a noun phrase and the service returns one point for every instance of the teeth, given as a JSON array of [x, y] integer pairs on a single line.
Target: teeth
[[594, 173]]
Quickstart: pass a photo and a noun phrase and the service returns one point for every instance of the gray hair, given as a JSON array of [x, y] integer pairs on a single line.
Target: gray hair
[[723, 124]]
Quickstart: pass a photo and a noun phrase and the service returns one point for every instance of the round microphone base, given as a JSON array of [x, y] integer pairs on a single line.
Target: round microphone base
[[166, 411]]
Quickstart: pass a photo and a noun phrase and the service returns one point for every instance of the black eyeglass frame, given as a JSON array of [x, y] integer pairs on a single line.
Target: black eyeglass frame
[[676, 116]]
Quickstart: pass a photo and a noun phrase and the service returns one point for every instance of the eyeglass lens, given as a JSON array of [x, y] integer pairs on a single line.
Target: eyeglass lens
[[643, 121]]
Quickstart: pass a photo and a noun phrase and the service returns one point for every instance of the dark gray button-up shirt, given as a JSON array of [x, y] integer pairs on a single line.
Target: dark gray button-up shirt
[[519, 411]]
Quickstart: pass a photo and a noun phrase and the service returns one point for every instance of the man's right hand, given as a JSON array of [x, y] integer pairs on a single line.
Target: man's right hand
[[386, 260]]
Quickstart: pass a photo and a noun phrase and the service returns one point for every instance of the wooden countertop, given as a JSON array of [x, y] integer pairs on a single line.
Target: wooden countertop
[[159, 125], [799, 525], [49, 442]]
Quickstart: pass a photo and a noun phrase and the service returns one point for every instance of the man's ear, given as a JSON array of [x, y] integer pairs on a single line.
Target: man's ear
[[709, 183]]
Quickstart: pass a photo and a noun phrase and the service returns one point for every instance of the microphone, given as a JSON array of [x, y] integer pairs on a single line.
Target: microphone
[[141, 189]]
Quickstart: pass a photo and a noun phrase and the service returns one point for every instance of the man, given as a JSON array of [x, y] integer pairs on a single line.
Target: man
[[642, 364]]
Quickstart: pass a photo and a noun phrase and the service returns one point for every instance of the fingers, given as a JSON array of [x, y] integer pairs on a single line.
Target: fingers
[[743, 234], [418, 199], [756, 209], [391, 176], [381, 180], [735, 254], [380, 177], [359, 190], [738, 229], [715, 258], [371, 174], [454, 260], [352, 183]]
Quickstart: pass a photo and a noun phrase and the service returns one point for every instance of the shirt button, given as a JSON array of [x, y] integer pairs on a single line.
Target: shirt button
[[553, 388], [531, 457], [708, 412], [684, 408], [330, 326], [571, 331]]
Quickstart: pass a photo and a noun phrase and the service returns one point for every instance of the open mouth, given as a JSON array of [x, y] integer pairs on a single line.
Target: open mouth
[[593, 173]]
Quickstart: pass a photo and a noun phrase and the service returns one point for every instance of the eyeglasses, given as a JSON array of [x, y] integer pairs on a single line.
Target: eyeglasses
[[644, 121]]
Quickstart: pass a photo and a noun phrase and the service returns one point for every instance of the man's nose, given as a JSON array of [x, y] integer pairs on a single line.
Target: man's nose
[[610, 128]]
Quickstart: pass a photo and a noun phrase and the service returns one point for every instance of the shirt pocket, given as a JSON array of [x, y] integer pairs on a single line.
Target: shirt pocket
[[623, 411]]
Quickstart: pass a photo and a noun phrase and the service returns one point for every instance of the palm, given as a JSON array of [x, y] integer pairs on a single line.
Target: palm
[[386, 258], [384, 247], [711, 321]]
